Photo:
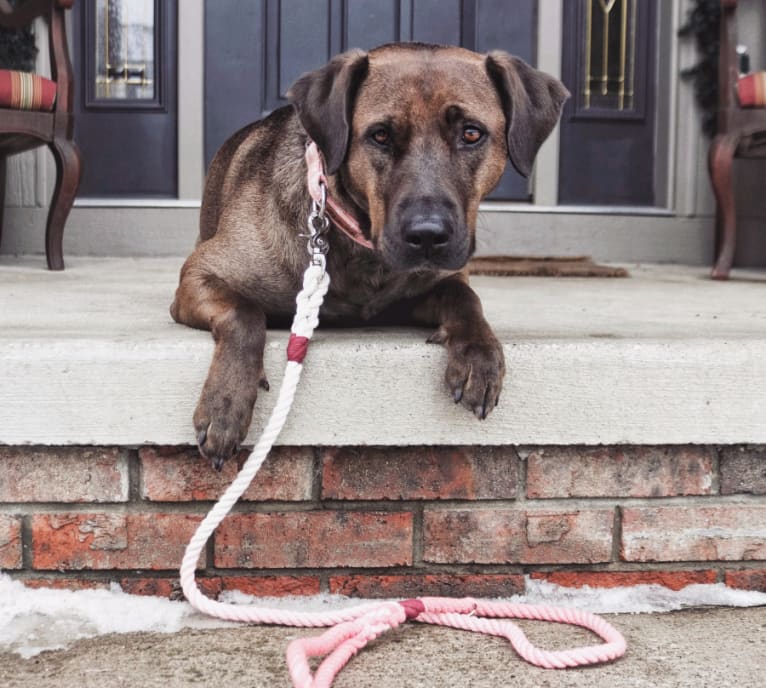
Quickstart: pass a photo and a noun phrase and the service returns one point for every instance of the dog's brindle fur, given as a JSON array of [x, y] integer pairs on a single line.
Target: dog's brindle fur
[[397, 128]]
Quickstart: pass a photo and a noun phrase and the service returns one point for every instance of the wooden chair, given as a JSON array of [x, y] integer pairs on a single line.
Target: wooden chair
[[741, 133], [23, 129]]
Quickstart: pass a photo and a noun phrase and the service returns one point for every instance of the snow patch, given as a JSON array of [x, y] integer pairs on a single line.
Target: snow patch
[[35, 620], [638, 599]]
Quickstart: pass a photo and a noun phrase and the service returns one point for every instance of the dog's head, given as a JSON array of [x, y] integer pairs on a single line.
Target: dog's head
[[419, 134]]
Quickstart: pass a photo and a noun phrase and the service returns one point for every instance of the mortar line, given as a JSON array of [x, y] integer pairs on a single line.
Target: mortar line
[[385, 506], [617, 534], [606, 502], [418, 536], [26, 542], [135, 471], [317, 476], [521, 487], [716, 477]]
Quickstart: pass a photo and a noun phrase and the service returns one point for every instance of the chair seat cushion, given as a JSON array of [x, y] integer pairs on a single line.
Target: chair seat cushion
[[24, 91], [751, 90]]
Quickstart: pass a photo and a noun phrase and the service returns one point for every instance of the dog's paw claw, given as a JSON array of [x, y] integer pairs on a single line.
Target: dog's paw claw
[[474, 375], [202, 436], [221, 423]]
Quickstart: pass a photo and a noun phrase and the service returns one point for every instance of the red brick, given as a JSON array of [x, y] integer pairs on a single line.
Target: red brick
[[169, 587], [63, 474], [675, 580], [743, 470], [273, 586], [181, 475], [151, 587], [437, 585], [79, 541], [10, 542], [500, 536], [419, 473], [314, 539], [749, 579], [730, 532], [616, 471]]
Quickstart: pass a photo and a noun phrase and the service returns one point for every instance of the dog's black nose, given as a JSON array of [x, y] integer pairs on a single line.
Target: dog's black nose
[[426, 233]]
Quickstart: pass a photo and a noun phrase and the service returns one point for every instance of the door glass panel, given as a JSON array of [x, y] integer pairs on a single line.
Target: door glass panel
[[610, 59], [608, 128], [125, 49]]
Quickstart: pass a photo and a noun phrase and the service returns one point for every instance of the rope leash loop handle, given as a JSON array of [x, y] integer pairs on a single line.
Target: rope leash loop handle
[[492, 618], [341, 643]]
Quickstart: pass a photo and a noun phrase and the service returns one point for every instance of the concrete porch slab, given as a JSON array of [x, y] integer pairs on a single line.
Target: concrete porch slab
[[91, 356]]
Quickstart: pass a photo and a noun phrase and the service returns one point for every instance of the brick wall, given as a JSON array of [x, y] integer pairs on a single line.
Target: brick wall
[[389, 521]]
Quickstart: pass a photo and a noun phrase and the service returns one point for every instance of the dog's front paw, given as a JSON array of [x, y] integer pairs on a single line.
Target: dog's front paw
[[475, 372], [221, 422]]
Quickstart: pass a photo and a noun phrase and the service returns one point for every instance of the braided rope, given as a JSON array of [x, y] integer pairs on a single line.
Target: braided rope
[[354, 628]]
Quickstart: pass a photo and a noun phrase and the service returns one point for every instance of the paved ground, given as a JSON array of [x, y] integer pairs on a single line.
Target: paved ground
[[689, 649]]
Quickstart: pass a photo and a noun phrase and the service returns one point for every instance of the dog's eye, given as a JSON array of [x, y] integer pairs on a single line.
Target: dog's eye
[[472, 135], [381, 136]]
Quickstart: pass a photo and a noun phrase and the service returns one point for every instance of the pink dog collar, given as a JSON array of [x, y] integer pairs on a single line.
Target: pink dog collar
[[340, 217]]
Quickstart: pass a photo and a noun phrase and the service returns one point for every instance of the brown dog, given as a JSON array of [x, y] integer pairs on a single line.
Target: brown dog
[[413, 136]]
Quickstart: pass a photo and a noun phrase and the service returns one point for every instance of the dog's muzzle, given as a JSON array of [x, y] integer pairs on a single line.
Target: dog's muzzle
[[428, 232]]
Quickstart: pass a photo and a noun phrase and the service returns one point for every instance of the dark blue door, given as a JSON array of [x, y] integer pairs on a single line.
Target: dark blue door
[[608, 128], [255, 49], [125, 97]]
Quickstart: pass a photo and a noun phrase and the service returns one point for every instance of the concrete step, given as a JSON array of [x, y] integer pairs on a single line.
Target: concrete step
[[91, 356]]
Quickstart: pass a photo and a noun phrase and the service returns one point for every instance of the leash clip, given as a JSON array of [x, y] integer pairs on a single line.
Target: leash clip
[[318, 224]]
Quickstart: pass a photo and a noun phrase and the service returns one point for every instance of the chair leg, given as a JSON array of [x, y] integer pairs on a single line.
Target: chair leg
[[68, 170], [2, 193], [720, 162]]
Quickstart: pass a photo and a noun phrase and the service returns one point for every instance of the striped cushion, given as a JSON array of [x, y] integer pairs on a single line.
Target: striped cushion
[[751, 90], [23, 91]]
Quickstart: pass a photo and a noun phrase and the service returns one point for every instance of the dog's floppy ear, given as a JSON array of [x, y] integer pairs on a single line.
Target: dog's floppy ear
[[324, 100], [532, 101]]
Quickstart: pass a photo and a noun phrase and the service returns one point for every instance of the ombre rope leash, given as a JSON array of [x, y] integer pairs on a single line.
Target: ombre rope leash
[[354, 628]]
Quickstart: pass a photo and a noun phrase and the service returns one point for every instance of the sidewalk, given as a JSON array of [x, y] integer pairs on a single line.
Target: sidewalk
[[689, 649]]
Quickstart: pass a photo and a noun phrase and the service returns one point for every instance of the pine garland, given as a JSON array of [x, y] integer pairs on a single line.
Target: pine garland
[[17, 48], [704, 24]]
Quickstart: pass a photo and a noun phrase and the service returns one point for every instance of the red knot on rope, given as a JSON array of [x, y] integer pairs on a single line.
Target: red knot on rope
[[297, 348]]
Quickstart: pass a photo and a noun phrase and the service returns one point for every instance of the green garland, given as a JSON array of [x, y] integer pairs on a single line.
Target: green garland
[[17, 48], [704, 24]]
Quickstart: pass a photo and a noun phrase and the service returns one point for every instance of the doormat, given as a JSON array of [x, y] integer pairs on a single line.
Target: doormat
[[547, 266]]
